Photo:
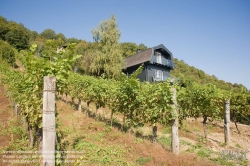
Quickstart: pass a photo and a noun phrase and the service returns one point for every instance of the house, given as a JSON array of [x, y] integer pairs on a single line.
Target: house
[[158, 62]]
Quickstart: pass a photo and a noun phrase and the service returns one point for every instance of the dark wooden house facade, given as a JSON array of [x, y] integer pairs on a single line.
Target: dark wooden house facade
[[158, 62]]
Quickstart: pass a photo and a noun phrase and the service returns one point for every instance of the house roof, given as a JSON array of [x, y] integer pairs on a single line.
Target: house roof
[[144, 56], [139, 58]]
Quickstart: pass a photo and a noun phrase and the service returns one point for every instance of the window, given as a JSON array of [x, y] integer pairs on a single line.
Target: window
[[158, 57], [159, 75]]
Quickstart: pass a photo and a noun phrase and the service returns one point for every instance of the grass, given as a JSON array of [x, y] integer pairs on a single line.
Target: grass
[[17, 135], [183, 142], [143, 160], [92, 146], [166, 141], [223, 144], [204, 153], [101, 155], [166, 130], [223, 161], [237, 146], [138, 140]]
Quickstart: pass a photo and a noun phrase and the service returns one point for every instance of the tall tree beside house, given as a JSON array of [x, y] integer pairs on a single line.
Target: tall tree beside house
[[108, 58]]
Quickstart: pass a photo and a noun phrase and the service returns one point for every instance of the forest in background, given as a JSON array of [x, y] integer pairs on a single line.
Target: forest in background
[[16, 38]]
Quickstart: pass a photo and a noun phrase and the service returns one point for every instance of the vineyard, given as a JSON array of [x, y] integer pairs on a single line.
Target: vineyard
[[137, 103]]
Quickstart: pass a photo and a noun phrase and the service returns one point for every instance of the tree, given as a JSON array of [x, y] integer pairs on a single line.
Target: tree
[[59, 42], [142, 47], [61, 36], [128, 49], [48, 34], [82, 47], [73, 40], [7, 53], [88, 51], [108, 58], [33, 35], [18, 38], [4, 28]]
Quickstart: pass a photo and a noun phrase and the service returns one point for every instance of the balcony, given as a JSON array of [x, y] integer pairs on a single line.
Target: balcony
[[164, 62]]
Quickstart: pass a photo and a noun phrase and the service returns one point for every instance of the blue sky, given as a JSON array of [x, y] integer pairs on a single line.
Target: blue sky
[[212, 35]]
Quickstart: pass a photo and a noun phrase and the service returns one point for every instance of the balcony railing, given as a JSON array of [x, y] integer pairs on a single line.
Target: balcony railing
[[165, 62]]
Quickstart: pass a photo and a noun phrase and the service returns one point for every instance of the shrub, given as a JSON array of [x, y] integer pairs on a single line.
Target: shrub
[[7, 53]]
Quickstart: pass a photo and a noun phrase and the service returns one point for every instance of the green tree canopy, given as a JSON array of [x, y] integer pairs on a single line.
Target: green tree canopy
[[88, 51], [73, 40], [7, 52], [18, 38], [61, 36], [142, 47], [128, 49], [4, 28], [48, 34], [108, 58]]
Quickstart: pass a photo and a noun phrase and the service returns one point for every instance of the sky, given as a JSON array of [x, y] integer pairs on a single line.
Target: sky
[[211, 35]]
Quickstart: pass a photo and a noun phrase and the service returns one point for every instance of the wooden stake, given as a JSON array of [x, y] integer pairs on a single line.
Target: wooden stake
[[49, 129], [227, 122], [175, 135], [80, 105]]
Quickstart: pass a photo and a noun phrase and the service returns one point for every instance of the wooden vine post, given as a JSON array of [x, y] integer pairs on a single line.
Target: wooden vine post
[[79, 105], [227, 122], [174, 127], [49, 129]]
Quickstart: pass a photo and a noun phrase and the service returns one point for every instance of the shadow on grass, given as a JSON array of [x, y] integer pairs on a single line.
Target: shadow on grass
[[116, 124]]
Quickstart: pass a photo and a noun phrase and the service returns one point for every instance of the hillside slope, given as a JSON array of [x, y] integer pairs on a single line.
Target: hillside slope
[[189, 74], [109, 146], [103, 145]]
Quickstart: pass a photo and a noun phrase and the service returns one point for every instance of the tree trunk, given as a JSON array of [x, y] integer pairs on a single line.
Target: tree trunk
[[111, 118], [39, 139], [235, 121], [154, 133], [25, 124], [31, 136], [205, 125]]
